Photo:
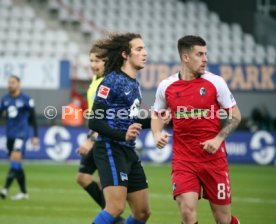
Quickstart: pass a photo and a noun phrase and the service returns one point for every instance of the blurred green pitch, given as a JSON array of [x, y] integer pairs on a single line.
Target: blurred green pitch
[[56, 198]]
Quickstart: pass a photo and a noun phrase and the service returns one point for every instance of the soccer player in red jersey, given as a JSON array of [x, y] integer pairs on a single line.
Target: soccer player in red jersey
[[198, 100]]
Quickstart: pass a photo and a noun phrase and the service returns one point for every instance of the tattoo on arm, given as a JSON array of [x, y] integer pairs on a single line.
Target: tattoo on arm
[[229, 127]]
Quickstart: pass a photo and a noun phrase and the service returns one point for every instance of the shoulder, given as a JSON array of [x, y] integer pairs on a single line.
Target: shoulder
[[164, 84], [5, 97], [216, 80], [27, 99], [25, 96], [110, 79]]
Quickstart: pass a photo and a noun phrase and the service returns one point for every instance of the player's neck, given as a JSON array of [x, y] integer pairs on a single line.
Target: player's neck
[[98, 76], [129, 70], [15, 93], [186, 75]]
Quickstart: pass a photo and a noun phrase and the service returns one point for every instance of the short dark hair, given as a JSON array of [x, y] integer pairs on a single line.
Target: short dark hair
[[113, 46], [15, 77], [186, 43]]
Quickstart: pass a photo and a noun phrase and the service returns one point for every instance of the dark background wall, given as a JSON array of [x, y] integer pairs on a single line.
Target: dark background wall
[[235, 11]]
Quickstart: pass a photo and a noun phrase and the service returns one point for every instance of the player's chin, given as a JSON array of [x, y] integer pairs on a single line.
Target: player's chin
[[139, 67], [201, 71]]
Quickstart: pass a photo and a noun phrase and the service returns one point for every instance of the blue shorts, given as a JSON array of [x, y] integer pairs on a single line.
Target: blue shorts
[[119, 165]]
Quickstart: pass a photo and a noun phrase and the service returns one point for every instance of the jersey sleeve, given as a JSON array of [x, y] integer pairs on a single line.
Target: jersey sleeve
[[106, 91], [31, 103], [224, 95], [160, 103]]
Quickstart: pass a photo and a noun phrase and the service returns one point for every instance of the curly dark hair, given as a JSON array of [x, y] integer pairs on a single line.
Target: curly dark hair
[[95, 49], [113, 46]]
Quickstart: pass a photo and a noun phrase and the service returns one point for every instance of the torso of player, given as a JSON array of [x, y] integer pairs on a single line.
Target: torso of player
[[195, 112], [17, 113], [122, 95]]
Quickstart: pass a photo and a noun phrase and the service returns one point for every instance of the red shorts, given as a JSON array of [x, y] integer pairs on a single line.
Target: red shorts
[[211, 176]]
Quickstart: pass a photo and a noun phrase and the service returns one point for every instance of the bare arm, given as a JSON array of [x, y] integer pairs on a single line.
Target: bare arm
[[234, 118], [157, 124]]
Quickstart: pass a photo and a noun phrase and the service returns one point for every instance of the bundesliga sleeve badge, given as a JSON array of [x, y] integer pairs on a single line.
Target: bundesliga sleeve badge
[[103, 91]]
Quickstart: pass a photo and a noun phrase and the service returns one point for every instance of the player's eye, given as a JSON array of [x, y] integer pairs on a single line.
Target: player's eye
[[139, 48]]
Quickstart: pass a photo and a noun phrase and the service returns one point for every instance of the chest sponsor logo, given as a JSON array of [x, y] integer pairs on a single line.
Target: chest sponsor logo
[[194, 113], [12, 111]]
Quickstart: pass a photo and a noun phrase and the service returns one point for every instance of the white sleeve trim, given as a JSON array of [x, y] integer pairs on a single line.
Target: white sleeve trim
[[224, 95], [160, 103]]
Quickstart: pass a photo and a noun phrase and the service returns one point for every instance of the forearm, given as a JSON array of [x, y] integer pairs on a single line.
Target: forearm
[[98, 123], [101, 126], [231, 124], [145, 122], [32, 121], [1, 113], [157, 124]]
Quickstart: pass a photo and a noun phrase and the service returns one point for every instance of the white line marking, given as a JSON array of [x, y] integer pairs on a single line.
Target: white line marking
[[154, 195]]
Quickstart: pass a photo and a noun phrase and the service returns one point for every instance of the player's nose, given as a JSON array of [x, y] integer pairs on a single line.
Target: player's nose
[[145, 53], [205, 58]]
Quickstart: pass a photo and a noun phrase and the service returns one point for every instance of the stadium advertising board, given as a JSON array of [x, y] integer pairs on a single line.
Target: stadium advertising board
[[238, 77], [58, 143], [36, 74]]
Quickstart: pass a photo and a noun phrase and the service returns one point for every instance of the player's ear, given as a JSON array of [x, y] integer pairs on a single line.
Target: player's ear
[[124, 55], [184, 57]]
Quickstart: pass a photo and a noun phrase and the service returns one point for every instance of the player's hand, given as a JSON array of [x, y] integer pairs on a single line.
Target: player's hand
[[212, 145], [85, 147], [133, 131], [35, 141], [161, 139]]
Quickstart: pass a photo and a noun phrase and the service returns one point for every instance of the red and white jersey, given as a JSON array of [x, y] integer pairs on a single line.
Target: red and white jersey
[[196, 106]]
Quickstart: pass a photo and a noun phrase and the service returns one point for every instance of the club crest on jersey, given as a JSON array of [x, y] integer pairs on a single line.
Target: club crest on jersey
[[202, 91], [103, 91]]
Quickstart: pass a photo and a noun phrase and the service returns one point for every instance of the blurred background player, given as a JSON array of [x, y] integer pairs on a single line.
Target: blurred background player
[[119, 98], [87, 164], [19, 112], [199, 153]]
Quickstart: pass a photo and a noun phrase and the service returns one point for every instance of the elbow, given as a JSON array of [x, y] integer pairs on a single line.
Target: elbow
[[239, 119], [236, 115]]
